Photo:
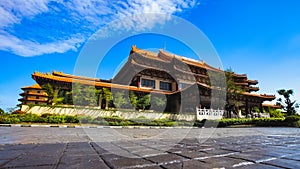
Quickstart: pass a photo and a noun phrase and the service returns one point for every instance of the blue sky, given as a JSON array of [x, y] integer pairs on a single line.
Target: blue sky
[[259, 37]]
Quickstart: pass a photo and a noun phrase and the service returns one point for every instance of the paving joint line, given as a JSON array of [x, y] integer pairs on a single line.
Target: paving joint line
[[60, 157], [10, 160], [100, 156]]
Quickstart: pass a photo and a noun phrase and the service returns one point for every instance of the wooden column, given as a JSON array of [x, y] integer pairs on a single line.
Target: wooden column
[[139, 81]]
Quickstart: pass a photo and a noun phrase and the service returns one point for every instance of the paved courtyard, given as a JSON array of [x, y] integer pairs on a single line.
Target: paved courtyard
[[149, 148]]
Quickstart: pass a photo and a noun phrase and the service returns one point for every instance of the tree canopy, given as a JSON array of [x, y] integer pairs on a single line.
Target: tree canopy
[[53, 94], [2, 111], [233, 91], [119, 99], [289, 106], [83, 95]]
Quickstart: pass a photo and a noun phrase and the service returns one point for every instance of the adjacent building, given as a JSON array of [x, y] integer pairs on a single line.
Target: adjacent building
[[33, 95]]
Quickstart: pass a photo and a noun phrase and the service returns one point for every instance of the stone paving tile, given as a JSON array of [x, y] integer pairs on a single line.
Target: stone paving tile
[[32, 161], [227, 152], [173, 165], [217, 151], [79, 148], [269, 152], [193, 164], [165, 158], [99, 149], [284, 163], [147, 167], [193, 154], [258, 166], [83, 161], [293, 157], [18, 147], [220, 162], [47, 150], [124, 162], [33, 155], [36, 167], [4, 155], [251, 157], [135, 148]]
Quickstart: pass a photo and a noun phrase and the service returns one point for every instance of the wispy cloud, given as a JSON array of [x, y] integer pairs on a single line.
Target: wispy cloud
[[36, 27]]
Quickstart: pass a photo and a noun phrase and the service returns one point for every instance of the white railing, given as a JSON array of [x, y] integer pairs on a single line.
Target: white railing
[[209, 114]]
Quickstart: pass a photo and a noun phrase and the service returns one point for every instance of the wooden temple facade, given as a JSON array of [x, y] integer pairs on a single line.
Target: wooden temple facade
[[186, 83]]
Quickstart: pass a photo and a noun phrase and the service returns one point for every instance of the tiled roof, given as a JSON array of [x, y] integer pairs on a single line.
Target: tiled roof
[[271, 105], [94, 83], [260, 95], [56, 73], [35, 86]]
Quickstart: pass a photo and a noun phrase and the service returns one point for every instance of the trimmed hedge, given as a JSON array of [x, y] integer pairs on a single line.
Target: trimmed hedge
[[33, 118], [291, 121]]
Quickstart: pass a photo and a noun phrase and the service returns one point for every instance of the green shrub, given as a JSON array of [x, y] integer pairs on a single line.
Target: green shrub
[[292, 121], [269, 122], [47, 114], [100, 121], [71, 119], [57, 119], [85, 119], [9, 120], [125, 123], [30, 118], [276, 113]]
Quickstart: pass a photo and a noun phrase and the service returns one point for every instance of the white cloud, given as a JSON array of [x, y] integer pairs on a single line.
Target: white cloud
[[16, 10], [31, 48], [82, 17]]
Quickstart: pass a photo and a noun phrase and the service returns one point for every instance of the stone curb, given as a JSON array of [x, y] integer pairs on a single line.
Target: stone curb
[[114, 127]]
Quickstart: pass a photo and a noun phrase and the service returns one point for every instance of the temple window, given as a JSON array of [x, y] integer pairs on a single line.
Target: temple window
[[148, 83], [165, 86]]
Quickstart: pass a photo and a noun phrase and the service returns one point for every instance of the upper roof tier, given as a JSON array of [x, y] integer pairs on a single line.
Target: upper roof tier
[[35, 86], [61, 74], [168, 57]]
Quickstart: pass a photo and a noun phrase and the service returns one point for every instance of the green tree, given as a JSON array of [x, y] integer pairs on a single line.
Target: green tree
[[234, 91], [77, 94], [2, 111], [158, 102], [133, 99], [83, 95], [105, 94], [119, 99], [276, 113], [53, 94], [144, 101], [89, 98], [286, 102]]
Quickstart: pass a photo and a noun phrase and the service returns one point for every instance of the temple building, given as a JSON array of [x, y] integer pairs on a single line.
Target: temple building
[[185, 83], [33, 95]]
